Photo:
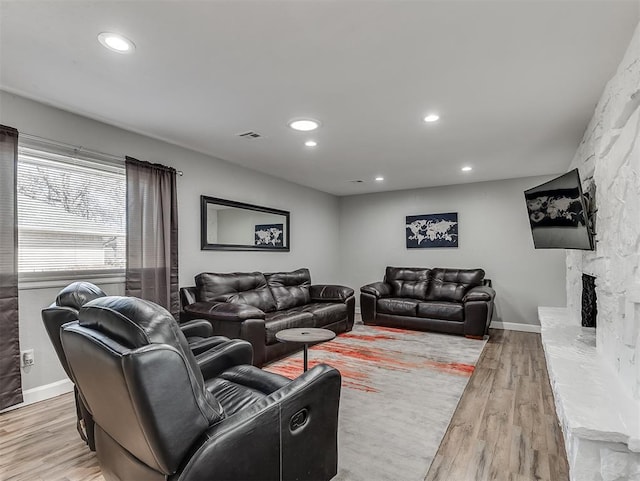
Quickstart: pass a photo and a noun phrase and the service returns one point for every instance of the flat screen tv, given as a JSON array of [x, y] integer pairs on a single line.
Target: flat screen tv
[[558, 214]]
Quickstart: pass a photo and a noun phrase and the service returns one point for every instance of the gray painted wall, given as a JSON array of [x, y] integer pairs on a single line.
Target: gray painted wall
[[314, 215], [31, 300], [493, 231]]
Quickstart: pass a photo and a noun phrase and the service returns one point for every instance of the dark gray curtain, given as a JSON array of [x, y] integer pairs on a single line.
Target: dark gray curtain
[[152, 234], [10, 378]]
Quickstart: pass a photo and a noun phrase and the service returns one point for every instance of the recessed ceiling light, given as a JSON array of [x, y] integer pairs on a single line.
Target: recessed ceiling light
[[305, 125], [467, 168], [116, 42], [311, 143], [431, 118], [379, 178]]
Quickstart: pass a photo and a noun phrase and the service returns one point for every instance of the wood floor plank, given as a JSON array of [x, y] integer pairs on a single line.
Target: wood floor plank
[[528, 412], [478, 466], [498, 434]]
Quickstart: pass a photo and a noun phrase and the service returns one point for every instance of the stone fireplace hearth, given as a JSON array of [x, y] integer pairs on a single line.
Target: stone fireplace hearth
[[600, 419]]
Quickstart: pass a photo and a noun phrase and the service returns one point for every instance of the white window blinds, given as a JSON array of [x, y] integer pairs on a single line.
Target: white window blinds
[[71, 213]]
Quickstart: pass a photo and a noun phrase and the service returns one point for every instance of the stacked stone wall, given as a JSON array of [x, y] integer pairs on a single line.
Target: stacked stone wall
[[609, 155]]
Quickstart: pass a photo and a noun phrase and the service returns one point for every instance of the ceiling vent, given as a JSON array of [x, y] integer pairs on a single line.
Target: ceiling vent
[[357, 181], [250, 135]]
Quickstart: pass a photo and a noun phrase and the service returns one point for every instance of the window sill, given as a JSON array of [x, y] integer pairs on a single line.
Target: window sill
[[48, 280]]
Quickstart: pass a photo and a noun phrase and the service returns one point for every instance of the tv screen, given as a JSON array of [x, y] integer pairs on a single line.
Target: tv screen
[[558, 214]]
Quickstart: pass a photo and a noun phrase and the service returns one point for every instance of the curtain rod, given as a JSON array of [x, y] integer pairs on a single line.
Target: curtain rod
[[80, 148]]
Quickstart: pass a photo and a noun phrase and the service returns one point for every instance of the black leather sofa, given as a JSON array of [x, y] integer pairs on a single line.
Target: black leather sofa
[[255, 306], [456, 301], [163, 414]]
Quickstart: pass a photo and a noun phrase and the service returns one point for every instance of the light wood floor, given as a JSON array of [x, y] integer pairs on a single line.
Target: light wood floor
[[504, 429], [40, 443]]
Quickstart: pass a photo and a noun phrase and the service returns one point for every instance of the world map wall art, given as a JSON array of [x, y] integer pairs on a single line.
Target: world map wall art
[[432, 230]]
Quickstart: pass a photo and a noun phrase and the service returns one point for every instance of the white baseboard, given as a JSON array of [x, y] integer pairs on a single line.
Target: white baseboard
[[41, 393], [515, 326]]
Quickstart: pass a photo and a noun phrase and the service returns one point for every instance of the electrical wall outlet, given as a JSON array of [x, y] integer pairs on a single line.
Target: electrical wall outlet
[[27, 358]]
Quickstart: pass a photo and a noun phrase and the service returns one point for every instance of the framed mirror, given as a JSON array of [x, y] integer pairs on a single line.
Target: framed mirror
[[229, 225]]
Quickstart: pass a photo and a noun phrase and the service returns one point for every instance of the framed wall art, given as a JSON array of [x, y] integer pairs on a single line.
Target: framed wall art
[[432, 230]]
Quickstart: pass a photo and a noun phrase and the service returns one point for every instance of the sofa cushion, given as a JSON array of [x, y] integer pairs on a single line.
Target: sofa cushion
[[224, 311], [290, 289], [325, 313], [287, 319], [445, 311], [411, 282], [452, 284], [398, 307], [238, 288]]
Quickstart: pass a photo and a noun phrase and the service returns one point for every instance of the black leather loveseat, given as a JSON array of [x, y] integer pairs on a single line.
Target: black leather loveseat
[[255, 306], [456, 301]]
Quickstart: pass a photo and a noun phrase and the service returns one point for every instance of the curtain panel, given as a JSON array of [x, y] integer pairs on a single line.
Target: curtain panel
[[10, 376], [152, 234]]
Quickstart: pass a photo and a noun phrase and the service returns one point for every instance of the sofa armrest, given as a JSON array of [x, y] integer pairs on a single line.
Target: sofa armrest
[[330, 293], [231, 353], [235, 321], [196, 328], [188, 295], [377, 289], [479, 293], [478, 309], [223, 311]]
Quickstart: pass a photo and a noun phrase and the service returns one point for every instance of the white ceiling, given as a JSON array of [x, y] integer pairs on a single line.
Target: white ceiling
[[515, 81]]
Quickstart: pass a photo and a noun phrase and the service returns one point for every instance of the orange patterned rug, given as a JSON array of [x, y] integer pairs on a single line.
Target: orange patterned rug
[[399, 391]]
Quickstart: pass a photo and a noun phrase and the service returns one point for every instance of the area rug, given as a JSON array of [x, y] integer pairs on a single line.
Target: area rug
[[399, 391]]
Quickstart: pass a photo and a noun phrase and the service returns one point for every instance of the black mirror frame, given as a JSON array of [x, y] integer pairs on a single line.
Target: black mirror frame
[[205, 246]]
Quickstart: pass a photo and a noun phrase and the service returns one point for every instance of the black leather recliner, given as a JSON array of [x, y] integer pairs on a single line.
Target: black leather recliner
[[162, 415], [65, 309]]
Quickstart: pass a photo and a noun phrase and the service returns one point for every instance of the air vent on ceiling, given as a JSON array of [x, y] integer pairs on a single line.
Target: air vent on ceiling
[[250, 135], [357, 181]]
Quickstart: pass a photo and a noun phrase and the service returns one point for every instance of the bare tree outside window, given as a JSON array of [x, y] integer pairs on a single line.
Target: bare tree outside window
[[70, 216]]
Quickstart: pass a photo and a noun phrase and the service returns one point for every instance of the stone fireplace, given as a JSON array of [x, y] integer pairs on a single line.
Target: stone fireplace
[[595, 373]]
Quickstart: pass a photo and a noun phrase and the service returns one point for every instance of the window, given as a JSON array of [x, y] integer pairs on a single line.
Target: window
[[71, 213]]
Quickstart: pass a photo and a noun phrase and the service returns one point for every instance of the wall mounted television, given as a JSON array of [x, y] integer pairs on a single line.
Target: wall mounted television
[[559, 214]]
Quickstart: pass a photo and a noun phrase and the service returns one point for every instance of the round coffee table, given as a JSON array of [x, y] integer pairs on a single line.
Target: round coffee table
[[306, 336]]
